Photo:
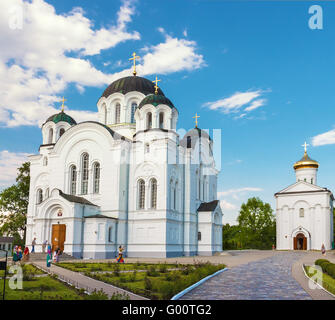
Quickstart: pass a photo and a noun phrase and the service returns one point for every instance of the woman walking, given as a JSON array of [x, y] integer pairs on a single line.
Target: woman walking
[[323, 250]]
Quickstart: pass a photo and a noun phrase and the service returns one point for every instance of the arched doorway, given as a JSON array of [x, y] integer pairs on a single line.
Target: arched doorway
[[300, 242]]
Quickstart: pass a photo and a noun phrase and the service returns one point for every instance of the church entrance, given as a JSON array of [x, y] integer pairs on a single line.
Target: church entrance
[[300, 242], [58, 236]]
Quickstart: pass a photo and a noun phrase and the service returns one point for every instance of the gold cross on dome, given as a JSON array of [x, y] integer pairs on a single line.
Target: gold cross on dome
[[134, 58], [156, 86], [196, 120], [63, 100], [305, 145]]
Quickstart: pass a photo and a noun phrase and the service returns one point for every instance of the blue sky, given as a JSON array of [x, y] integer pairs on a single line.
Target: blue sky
[[253, 69]]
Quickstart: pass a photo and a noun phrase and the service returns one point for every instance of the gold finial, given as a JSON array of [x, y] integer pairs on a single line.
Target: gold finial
[[134, 58], [63, 100], [305, 145], [196, 120], [156, 86]]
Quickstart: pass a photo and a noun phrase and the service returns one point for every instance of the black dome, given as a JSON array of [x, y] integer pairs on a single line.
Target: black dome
[[155, 100], [133, 83]]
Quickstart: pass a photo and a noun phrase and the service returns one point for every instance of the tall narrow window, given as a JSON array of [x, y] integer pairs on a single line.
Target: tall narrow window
[[312, 181], [172, 195], [153, 187], [117, 113], [96, 175], [175, 196], [73, 180], [61, 132], [47, 193], [161, 120], [149, 120], [84, 173], [51, 136], [141, 194], [133, 109], [110, 234], [301, 212], [39, 196]]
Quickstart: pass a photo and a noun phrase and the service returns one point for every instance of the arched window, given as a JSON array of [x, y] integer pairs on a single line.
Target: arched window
[[73, 180], [84, 173], [161, 120], [110, 234], [96, 177], [117, 113], [141, 194], [51, 136], [133, 109], [61, 132], [149, 120], [39, 196], [147, 148], [301, 212], [153, 188]]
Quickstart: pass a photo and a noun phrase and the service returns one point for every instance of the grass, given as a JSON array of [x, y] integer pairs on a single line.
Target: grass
[[327, 281], [156, 282]]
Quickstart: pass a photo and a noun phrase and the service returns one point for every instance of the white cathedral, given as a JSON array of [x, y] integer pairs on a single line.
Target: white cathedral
[[304, 211], [127, 180]]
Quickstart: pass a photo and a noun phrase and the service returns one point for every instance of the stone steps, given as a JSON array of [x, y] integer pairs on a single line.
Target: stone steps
[[38, 256]]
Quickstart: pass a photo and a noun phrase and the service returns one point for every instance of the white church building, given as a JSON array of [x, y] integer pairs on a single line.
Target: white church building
[[304, 211], [127, 180]]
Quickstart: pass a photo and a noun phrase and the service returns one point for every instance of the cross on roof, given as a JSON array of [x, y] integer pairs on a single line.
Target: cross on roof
[[305, 145], [196, 120], [156, 86], [63, 100], [134, 58]]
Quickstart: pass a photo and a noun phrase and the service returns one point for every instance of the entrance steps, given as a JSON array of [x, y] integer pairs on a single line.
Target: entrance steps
[[39, 256]]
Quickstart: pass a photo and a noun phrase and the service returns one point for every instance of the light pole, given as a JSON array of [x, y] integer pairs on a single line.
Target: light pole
[[3, 266]]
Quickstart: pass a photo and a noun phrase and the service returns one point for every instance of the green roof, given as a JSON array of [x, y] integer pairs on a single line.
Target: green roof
[[155, 100], [62, 116]]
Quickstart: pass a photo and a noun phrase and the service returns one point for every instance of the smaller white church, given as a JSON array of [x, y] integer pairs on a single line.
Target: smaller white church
[[304, 211]]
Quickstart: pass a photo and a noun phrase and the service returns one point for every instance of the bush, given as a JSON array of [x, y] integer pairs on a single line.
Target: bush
[[163, 268], [147, 284], [326, 267], [133, 276], [97, 295], [152, 272], [116, 270]]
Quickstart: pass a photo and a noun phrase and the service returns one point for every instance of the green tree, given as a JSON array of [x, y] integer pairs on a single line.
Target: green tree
[[14, 205], [230, 237], [257, 224]]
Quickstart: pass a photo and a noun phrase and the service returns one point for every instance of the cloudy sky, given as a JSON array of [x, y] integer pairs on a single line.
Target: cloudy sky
[[253, 69]]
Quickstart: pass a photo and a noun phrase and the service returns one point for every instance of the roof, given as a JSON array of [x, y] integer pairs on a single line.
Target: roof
[[99, 216], [75, 199], [6, 239], [62, 116], [208, 206], [306, 162], [132, 83], [192, 136], [155, 100]]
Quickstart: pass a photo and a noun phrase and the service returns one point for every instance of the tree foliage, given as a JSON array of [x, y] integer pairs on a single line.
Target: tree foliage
[[14, 204], [256, 227]]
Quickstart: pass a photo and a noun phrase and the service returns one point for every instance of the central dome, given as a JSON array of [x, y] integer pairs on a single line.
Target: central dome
[[132, 83], [305, 162]]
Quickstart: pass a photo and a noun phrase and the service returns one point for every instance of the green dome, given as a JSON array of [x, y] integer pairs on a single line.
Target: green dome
[[62, 116], [155, 100]]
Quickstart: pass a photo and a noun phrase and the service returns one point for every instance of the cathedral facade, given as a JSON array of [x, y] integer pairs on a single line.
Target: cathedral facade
[[127, 180], [304, 211]]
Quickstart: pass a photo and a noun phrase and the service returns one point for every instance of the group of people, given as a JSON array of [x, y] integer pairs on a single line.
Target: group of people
[[19, 255]]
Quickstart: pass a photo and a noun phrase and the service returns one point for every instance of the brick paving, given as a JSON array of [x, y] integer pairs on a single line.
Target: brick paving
[[265, 279]]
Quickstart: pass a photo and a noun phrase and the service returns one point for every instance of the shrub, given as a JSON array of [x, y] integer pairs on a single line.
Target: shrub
[[152, 272], [97, 295], [116, 270], [133, 276], [163, 268], [326, 267], [173, 276], [120, 296]]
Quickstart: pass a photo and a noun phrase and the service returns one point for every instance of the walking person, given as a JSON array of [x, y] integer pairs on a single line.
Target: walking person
[[49, 258], [323, 250], [26, 254], [33, 244], [120, 256], [15, 256], [19, 253]]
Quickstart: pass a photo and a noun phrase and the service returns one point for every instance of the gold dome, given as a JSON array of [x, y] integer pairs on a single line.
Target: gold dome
[[305, 162]]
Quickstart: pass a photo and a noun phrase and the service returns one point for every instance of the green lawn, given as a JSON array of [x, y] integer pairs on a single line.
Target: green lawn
[[327, 281], [157, 282]]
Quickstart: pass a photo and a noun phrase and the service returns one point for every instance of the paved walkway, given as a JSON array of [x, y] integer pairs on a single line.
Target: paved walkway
[[87, 283], [265, 279]]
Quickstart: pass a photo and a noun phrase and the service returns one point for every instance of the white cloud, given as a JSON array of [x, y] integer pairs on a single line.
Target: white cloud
[[53, 50], [243, 102], [324, 138], [9, 162], [236, 192], [225, 205], [185, 33]]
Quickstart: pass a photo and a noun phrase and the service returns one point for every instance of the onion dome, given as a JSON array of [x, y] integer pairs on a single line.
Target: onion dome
[[305, 162], [192, 136], [132, 83], [155, 100], [62, 116]]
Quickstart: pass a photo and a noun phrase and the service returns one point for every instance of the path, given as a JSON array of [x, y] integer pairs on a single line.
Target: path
[[265, 279], [87, 283]]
